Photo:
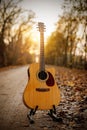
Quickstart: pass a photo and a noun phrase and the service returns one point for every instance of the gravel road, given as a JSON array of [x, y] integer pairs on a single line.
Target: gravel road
[[12, 110]]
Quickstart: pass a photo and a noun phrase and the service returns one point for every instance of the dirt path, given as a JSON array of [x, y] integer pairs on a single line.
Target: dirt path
[[12, 110], [13, 113]]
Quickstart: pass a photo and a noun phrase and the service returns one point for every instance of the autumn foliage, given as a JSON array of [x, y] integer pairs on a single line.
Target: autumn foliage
[[64, 46]]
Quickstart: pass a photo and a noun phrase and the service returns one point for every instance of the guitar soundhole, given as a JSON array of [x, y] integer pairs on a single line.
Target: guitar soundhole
[[42, 75]]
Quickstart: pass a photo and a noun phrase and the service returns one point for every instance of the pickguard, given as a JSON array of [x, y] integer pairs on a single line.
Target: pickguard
[[50, 81]]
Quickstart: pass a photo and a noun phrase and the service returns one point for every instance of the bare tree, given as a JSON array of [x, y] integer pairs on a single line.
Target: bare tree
[[9, 12], [18, 49]]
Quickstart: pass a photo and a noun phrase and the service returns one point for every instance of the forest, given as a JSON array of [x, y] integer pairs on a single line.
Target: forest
[[66, 46]]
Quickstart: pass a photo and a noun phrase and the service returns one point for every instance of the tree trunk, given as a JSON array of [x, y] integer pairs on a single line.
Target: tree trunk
[[2, 54]]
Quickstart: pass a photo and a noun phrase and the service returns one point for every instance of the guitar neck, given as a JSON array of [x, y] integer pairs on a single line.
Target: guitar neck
[[42, 60]]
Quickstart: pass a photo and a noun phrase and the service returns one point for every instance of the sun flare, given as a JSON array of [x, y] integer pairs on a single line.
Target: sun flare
[[34, 36]]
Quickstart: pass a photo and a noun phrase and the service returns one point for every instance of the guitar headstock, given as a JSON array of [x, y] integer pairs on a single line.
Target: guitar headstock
[[41, 27]]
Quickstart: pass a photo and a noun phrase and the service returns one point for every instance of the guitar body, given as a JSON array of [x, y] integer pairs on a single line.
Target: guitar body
[[41, 92]]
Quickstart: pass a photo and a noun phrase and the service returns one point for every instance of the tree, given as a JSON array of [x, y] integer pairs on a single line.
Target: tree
[[13, 26], [80, 8], [55, 48], [69, 24], [19, 44], [9, 12]]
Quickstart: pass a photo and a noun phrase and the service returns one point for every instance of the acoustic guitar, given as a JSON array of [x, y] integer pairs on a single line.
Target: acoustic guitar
[[41, 89]]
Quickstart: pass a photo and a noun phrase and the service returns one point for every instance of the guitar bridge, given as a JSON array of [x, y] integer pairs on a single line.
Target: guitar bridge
[[42, 89]]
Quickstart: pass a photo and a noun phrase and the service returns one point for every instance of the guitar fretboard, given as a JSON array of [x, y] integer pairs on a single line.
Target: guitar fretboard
[[42, 60]]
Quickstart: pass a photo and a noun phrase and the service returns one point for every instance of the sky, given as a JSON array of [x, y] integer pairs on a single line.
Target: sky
[[46, 11]]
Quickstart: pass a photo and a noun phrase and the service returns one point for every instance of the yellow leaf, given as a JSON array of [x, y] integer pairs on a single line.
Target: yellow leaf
[[71, 83]]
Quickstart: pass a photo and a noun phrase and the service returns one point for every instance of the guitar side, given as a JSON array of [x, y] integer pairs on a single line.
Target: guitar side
[[41, 93]]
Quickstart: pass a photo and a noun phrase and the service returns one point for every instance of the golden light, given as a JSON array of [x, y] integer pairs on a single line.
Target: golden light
[[34, 35], [37, 58]]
